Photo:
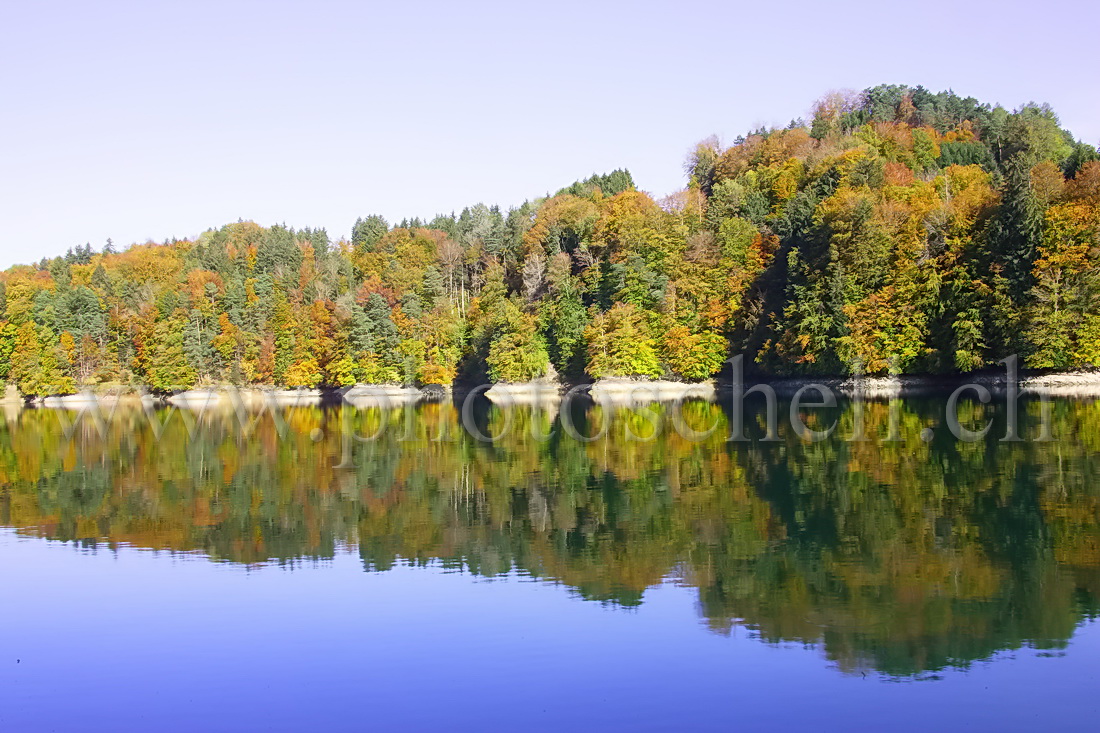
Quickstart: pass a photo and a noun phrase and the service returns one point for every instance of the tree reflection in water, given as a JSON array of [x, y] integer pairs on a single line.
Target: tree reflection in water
[[904, 556]]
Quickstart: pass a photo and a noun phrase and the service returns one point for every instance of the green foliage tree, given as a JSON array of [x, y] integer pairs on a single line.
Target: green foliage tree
[[518, 353], [620, 344]]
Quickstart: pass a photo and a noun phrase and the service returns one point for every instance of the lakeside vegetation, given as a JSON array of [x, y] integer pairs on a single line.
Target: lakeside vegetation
[[900, 230]]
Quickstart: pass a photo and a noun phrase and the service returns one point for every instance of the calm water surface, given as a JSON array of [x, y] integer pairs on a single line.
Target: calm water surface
[[174, 571]]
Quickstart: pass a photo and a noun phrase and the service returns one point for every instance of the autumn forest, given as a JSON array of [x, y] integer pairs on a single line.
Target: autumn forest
[[897, 231]]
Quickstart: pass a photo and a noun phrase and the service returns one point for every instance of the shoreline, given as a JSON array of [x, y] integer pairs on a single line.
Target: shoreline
[[520, 393], [1055, 384], [619, 390], [1070, 384]]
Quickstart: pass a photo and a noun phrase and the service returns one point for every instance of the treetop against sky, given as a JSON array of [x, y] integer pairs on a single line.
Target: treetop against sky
[[133, 121]]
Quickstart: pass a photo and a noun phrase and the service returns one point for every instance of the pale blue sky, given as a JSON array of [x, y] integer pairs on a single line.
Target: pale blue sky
[[137, 120]]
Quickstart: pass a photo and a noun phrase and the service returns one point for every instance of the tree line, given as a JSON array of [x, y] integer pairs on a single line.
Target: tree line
[[897, 231]]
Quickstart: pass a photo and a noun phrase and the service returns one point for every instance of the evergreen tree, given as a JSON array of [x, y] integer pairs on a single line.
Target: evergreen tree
[[1017, 230]]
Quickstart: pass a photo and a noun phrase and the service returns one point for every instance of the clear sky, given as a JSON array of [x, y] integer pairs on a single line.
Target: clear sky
[[139, 120]]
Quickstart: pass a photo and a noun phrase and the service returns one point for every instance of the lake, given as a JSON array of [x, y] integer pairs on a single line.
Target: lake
[[541, 567]]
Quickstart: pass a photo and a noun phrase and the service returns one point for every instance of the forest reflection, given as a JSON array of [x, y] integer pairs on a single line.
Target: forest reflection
[[904, 556]]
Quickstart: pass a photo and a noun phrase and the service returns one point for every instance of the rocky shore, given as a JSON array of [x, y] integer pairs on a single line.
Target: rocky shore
[[1062, 384], [642, 390], [536, 391], [1080, 384]]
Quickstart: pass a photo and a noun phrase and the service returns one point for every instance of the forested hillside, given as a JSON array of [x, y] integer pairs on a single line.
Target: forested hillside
[[897, 231]]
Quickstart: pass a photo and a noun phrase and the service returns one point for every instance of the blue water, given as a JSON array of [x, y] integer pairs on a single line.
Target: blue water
[[170, 572], [139, 640]]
